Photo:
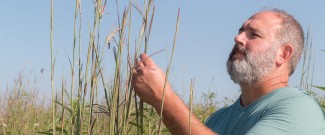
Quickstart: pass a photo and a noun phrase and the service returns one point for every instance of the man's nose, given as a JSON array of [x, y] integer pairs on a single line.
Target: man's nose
[[240, 38]]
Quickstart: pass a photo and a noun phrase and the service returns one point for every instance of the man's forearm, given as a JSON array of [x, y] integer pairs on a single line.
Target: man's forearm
[[179, 120]]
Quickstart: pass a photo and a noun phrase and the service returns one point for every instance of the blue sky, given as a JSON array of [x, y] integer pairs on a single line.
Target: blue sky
[[205, 38]]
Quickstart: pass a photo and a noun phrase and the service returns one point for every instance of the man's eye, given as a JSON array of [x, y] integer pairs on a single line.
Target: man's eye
[[255, 35]]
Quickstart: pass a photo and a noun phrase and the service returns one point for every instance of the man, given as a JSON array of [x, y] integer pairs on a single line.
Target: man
[[266, 52]]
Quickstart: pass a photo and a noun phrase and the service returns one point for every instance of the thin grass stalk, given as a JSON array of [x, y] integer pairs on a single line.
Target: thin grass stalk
[[304, 71], [52, 68], [91, 95], [128, 96], [148, 27], [100, 12], [312, 72], [125, 15], [144, 32], [118, 13], [142, 29], [93, 90], [141, 109], [135, 97], [117, 80], [90, 54], [74, 48], [80, 110], [94, 64], [191, 105], [90, 46], [79, 53], [308, 67], [97, 61], [62, 101], [136, 113], [113, 99], [167, 72], [106, 87], [149, 129], [73, 66], [147, 33], [312, 75]]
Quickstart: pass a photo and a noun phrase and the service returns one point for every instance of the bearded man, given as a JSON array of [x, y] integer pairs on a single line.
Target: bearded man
[[266, 52]]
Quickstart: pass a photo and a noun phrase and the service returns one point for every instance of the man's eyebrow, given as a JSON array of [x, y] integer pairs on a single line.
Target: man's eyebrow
[[252, 28], [241, 29]]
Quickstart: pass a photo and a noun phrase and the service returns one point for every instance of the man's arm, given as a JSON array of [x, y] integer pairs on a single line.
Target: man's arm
[[148, 82]]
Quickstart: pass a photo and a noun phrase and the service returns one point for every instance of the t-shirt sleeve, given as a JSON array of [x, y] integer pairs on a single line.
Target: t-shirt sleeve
[[296, 116]]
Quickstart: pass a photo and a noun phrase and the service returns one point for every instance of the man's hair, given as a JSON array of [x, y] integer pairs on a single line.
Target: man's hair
[[292, 33]]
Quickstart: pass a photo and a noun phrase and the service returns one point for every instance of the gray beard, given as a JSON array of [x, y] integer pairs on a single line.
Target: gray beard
[[253, 67]]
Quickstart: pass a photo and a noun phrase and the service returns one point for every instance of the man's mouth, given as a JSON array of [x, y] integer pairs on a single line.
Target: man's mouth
[[238, 55]]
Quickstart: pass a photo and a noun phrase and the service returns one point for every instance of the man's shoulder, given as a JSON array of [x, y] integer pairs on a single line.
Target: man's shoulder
[[293, 97], [289, 95], [293, 100], [292, 111]]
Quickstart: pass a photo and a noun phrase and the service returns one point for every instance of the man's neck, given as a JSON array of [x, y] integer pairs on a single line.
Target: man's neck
[[252, 92]]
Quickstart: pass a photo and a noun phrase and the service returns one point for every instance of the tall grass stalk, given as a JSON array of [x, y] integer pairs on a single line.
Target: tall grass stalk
[[167, 72], [128, 95], [52, 69], [75, 125], [144, 32], [96, 60], [115, 99], [62, 101], [191, 105], [80, 110], [306, 79]]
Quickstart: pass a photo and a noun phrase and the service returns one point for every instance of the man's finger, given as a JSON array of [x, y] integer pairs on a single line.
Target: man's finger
[[134, 72], [147, 61], [138, 64]]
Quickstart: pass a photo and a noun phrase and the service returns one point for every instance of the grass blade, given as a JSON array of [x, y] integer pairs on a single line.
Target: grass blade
[[52, 68], [167, 71]]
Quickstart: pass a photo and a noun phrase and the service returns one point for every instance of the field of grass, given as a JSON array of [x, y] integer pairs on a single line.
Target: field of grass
[[77, 108]]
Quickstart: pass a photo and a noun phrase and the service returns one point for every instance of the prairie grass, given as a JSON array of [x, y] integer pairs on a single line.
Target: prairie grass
[[308, 66], [23, 111], [75, 106]]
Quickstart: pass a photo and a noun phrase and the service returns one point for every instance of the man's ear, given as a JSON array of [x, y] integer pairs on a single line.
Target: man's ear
[[283, 54]]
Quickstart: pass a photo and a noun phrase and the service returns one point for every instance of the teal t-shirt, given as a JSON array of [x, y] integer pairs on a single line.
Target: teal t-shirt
[[285, 111]]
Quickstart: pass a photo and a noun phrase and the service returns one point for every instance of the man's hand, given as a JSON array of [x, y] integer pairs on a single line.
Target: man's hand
[[148, 82]]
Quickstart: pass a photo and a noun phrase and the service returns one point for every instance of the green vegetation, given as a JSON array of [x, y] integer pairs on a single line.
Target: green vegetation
[[78, 109]]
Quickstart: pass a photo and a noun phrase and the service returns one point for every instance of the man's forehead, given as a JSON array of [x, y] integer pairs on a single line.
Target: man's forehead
[[264, 13], [262, 19], [266, 16]]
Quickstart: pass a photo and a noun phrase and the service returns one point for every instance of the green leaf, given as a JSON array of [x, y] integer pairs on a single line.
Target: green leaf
[[50, 131], [44, 133], [134, 124], [323, 50], [67, 108], [319, 87]]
